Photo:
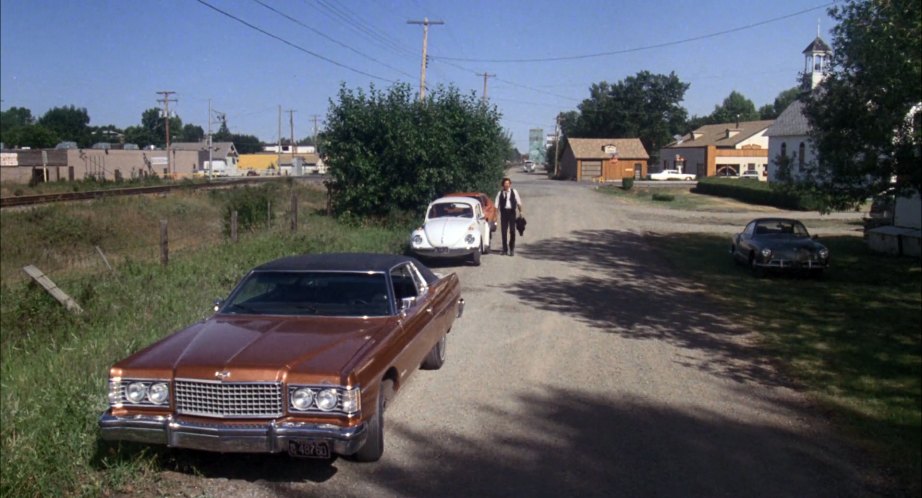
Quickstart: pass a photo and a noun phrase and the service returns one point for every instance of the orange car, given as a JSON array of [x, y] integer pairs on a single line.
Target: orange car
[[489, 209]]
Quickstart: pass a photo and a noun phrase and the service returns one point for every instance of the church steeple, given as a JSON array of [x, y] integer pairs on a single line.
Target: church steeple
[[816, 62]]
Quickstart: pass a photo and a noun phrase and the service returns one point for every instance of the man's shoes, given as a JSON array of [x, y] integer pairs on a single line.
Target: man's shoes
[[505, 252], [512, 252]]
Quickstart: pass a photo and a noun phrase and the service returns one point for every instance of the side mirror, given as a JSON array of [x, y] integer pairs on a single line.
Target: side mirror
[[406, 303], [217, 304]]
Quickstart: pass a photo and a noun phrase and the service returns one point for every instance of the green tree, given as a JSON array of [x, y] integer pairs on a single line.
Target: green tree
[[11, 120], [736, 107], [153, 123], [247, 144], [645, 106], [782, 101], [138, 135], [223, 134], [69, 123], [866, 119], [32, 135], [191, 133], [389, 152]]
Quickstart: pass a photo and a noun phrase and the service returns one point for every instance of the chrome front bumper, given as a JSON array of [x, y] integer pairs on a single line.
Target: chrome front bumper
[[269, 437], [444, 252]]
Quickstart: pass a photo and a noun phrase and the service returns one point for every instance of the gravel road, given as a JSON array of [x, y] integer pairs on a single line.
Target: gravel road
[[582, 367]]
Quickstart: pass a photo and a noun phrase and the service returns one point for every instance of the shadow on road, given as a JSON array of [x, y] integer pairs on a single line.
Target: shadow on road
[[577, 445], [627, 289]]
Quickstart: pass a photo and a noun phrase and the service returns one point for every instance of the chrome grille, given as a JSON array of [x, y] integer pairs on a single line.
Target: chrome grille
[[228, 399]]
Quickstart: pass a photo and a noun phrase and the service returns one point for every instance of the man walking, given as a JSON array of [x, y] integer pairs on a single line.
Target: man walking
[[509, 203]]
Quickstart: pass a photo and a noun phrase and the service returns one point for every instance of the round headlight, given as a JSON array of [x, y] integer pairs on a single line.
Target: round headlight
[[136, 392], [766, 253], [159, 393], [824, 253], [301, 399], [417, 239], [326, 399], [469, 238]]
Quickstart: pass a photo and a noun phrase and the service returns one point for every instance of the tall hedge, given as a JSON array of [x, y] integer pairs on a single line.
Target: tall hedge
[[389, 152]]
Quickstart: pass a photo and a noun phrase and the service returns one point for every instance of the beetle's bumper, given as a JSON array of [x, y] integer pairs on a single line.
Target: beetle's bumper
[[444, 252], [269, 437]]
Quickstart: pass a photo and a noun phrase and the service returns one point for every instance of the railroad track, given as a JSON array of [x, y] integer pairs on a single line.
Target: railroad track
[[27, 200]]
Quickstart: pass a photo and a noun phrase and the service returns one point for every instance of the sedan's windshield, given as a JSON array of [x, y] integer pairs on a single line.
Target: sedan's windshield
[[789, 228], [451, 210], [310, 293]]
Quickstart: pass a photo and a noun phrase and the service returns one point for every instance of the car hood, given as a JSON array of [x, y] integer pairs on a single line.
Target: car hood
[[446, 232], [250, 348]]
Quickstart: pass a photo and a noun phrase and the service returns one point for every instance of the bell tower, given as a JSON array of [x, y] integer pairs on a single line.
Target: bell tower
[[816, 62]]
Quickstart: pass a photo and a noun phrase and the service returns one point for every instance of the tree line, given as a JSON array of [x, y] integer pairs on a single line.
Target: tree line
[[19, 128]]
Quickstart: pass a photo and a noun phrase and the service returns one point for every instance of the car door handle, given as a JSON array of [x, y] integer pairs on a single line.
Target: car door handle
[[429, 310]]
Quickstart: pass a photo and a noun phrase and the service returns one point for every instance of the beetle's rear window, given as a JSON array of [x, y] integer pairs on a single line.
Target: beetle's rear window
[[310, 293]]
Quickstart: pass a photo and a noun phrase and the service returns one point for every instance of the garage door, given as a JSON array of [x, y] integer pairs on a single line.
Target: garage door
[[590, 169]]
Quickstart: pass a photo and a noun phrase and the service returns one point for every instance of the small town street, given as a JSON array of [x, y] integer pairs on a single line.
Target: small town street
[[582, 367]]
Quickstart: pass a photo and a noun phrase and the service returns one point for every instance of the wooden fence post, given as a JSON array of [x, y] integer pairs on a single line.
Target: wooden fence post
[[294, 212], [234, 226], [164, 244]]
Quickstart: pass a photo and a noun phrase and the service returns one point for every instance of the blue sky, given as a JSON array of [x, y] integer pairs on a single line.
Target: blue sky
[[111, 57]]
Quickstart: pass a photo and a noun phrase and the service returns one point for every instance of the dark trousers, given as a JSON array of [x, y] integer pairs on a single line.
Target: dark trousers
[[507, 224]]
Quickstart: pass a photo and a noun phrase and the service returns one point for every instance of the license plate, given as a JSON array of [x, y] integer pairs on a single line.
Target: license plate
[[441, 249], [309, 448]]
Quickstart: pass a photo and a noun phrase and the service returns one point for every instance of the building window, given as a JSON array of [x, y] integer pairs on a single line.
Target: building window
[[800, 154]]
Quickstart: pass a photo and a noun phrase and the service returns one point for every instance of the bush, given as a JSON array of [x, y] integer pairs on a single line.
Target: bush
[[252, 205], [663, 197], [627, 183], [754, 193]]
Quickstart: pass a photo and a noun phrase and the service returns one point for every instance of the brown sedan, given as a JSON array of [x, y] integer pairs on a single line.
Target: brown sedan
[[301, 358]]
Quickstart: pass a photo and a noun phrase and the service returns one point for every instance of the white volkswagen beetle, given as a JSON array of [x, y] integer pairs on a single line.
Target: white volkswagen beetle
[[455, 227]]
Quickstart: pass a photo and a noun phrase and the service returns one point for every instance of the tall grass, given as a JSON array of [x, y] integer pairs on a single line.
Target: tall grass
[[54, 364]]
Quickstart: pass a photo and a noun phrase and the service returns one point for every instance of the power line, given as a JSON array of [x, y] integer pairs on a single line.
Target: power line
[[293, 45], [638, 49], [305, 26], [362, 28]]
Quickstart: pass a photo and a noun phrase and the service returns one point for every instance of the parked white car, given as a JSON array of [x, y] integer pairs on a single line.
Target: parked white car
[[455, 227], [750, 174], [671, 174], [528, 167]]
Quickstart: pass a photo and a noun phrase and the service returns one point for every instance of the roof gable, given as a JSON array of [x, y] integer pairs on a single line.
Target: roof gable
[[791, 122], [722, 134], [592, 148]]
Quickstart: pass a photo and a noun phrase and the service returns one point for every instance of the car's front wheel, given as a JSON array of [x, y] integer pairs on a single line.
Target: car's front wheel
[[373, 448], [475, 256], [757, 270]]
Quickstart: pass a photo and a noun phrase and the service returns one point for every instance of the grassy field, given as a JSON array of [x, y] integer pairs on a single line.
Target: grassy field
[[851, 339], [53, 365]]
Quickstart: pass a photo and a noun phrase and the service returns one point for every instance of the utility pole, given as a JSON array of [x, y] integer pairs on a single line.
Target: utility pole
[[278, 155], [422, 71], [556, 146], [314, 137], [166, 116], [485, 76], [291, 119], [221, 117]]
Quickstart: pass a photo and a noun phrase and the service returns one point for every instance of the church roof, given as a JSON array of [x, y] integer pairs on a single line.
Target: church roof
[[818, 45], [791, 122]]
